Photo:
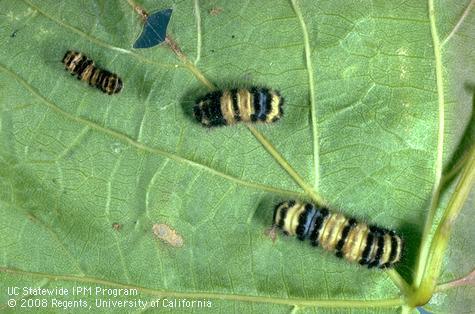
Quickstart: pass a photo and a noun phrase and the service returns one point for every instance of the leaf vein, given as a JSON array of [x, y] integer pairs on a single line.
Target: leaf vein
[[338, 303], [54, 236], [459, 23], [198, 30], [425, 243], [143, 147], [107, 208], [311, 82]]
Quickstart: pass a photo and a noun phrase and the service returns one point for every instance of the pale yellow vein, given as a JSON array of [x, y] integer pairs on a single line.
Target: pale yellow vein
[[425, 243], [459, 23], [198, 30], [337, 303], [311, 83]]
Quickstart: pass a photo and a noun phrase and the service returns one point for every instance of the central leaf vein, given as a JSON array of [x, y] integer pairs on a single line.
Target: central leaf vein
[[311, 83], [425, 243]]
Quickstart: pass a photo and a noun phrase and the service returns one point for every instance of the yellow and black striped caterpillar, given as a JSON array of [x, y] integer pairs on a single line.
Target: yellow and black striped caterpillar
[[355, 241], [226, 107], [86, 70]]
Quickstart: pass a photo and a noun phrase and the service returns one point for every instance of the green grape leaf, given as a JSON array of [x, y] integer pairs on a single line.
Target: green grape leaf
[[127, 192]]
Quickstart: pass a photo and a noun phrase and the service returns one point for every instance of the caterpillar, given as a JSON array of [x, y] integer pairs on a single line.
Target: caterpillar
[[85, 69], [227, 107], [355, 241]]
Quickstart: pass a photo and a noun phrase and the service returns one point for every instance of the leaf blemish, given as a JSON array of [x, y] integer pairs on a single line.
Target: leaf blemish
[[167, 234], [116, 226], [116, 147], [272, 233], [215, 11]]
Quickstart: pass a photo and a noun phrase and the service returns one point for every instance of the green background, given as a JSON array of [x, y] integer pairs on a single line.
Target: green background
[[74, 161]]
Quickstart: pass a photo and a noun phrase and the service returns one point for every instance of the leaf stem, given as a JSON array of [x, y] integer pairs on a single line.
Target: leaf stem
[[452, 173], [425, 243], [402, 284], [443, 232], [406, 309]]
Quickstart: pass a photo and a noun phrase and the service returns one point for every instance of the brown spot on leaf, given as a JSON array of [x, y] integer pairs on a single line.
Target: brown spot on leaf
[[139, 10], [215, 11], [271, 233], [167, 234], [116, 226]]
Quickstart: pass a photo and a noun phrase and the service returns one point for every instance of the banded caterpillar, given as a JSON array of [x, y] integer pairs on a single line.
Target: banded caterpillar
[[227, 107], [85, 69], [355, 241]]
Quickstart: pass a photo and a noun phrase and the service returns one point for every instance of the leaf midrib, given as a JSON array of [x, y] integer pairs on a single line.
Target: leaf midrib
[[425, 243], [311, 86]]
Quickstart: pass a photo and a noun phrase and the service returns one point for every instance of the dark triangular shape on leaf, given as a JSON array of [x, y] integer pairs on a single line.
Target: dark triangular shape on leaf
[[155, 29]]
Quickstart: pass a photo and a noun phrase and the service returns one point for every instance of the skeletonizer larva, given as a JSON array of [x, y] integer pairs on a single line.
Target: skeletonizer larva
[[86, 70], [226, 107], [355, 241]]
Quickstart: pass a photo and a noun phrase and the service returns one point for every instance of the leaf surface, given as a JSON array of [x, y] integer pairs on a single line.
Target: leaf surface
[[84, 176]]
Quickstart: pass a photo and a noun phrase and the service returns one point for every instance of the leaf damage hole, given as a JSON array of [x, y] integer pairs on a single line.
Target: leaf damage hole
[[167, 234], [155, 26]]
